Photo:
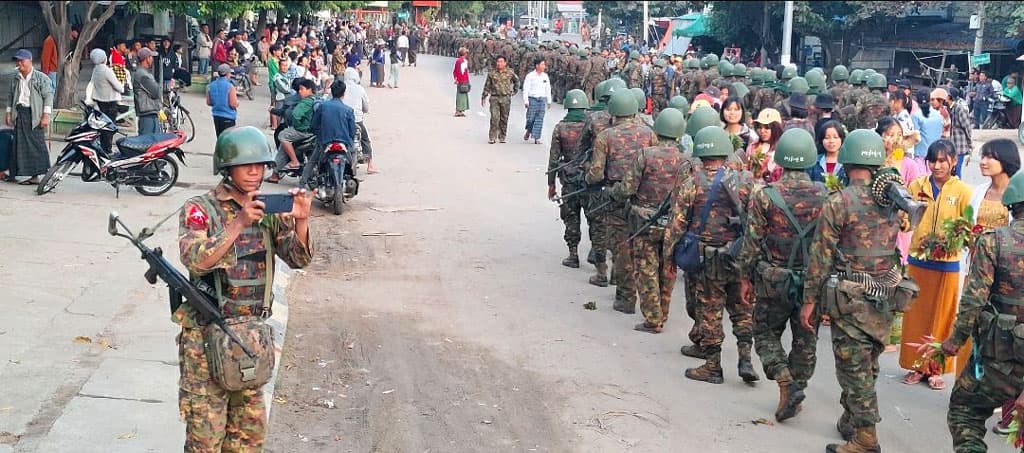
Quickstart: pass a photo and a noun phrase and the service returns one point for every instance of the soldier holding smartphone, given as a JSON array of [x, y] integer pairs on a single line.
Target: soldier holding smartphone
[[228, 238]]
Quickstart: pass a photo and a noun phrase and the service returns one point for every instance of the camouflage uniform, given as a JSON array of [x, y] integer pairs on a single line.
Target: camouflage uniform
[[565, 141], [649, 181], [847, 106], [597, 120], [991, 306], [870, 108], [659, 90], [716, 286], [216, 419], [838, 93], [595, 75], [500, 86], [772, 247], [855, 235], [615, 149], [633, 74]]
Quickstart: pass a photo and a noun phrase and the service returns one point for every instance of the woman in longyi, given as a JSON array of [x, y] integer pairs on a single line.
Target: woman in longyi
[[935, 266]]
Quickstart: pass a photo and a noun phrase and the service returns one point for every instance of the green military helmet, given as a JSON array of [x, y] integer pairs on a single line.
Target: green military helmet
[[712, 141], [576, 99], [583, 53], [1014, 192], [788, 73], [798, 85], [877, 82], [659, 63], [739, 70], [241, 146], [756, 76], [869, 71], [796, 150], [857, 77], [670, 123], [725, 68], [815, 82], [862, 147], [738, 89], [706, 62], [601, 92], [840, 73], [562, 50], [622, 103], [691, 63], [770, 76], [615, 84], [640, 96], [702, 117], [714, 59], [634, 55], [680, 103]]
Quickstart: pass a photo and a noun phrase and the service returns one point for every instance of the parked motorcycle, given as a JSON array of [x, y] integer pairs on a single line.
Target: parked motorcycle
[[242, 83], [997, 118], [333, 180], [143, 162]]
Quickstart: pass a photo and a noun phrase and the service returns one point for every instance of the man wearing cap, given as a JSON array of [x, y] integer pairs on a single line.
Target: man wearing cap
[[822, 109], [147, 94], [222, 98], [28, 111]]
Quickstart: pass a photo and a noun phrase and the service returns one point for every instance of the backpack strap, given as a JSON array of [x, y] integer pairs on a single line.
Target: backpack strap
[[706, 210], [802, 231]]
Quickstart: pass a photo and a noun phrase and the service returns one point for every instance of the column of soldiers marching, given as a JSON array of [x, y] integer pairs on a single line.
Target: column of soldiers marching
[[673, 194]]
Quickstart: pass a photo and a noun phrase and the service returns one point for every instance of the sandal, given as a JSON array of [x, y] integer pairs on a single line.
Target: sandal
[[935, 382], [647, 327], [913, 377]]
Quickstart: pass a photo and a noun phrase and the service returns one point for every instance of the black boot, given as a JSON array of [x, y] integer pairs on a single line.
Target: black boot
[[746, 368], [573, 260]]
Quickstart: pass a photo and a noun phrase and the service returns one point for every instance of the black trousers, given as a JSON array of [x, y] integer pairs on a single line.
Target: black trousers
[[109, 109], [221, 124]]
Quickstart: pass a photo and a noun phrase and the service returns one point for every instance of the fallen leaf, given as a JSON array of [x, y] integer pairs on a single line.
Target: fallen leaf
[[762, 421], [590, 305], [127, 435], [83, 339], [280, 400]]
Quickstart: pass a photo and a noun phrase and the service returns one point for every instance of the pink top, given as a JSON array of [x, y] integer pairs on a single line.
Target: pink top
[[461, 71], [909, 170]]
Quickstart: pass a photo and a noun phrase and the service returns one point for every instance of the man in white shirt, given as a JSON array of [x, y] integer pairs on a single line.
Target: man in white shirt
[[537, 99], [29, 104], [403, 47]]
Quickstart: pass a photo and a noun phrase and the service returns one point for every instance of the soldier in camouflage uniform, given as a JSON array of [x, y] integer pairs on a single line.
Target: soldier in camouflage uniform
[[567, 154], [501, 85], [685, 82], [641, 100], [854, 249], [847, 105], [715, 285], [659, 87], [991, 311], [874, 105], [839, 78], [632, 72], [615, 149], [597, 120], [648, 184], [223, 238], [597, 72], [780, 223]]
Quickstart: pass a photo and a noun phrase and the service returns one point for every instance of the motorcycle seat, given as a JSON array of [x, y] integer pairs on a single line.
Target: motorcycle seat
[[134, 146]]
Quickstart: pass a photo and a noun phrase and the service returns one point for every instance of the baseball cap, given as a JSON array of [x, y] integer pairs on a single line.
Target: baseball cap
[[144, 53], [769, 116], [223, 69], [905, 83], [22, 54]]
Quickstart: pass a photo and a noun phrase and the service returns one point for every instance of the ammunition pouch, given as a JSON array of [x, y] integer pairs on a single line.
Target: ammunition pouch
[[849, 298], [640, 216], [719, 264], [905, 295], [778, 283], [230, 367]]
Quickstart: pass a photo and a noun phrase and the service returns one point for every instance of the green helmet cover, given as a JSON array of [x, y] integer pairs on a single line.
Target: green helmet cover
[[739, 70], [798, 85], [1014, 192], [796, 150], [622, 103], [601, 91], [701, 118], [725, 68], [680, 103], [788, 73], [712, 141], [691, 63], [816, 81], [641, 97], [840, 73], [670, 123], [634, 55], [576, 99], [616, 84], [877, 81], [705, 62], [714, 59], [857, 77], [241, 146], [739, 89], [862, 147], [756, 76]]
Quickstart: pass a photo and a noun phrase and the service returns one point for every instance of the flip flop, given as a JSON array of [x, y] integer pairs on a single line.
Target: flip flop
[[913, 378], [935, 382]]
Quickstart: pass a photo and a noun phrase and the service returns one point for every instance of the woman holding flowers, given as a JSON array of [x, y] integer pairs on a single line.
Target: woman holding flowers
[[828, 170], [761, 153], [896, 157], [934, 262]]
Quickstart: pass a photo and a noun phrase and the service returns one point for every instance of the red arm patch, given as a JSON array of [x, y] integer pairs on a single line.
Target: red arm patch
[[197, 218]]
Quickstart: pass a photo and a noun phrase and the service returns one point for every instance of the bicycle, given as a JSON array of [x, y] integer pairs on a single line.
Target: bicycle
[[175, 116]]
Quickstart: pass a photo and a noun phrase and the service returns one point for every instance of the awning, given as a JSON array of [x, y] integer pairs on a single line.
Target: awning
[[690, 25], [952, 37], [427, 3]]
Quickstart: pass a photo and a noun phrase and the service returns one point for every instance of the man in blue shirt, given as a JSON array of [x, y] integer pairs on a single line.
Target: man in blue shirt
[[222, 97], [332, 122]]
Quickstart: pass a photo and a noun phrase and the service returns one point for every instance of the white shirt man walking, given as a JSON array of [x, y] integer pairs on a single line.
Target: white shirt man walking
[[537, 97], [403, 47]]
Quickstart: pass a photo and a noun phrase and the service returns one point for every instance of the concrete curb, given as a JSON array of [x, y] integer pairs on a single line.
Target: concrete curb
[[279, 321]]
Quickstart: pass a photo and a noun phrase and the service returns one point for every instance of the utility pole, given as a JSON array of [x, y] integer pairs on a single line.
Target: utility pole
[[787, 33], [764, 37], [979, 35], [646, 18]]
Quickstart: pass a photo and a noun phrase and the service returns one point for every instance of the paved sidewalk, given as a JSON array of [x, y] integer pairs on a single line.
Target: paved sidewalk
[[88, 357]]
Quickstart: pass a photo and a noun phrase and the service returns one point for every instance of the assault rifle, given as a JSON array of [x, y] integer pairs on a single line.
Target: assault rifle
[[179, 288], [662, 210], [585, 190]]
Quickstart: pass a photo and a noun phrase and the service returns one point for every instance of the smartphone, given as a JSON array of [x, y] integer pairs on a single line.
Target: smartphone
[[276, 203]]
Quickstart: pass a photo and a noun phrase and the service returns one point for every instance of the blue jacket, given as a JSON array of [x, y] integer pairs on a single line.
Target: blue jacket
[[817, 172], [335, 122]]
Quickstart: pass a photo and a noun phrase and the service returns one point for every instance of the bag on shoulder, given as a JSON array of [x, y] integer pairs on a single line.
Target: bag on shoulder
[[230, 367], [688, 254], [464, 88]]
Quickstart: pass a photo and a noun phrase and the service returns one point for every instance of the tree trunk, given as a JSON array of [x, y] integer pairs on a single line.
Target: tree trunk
[[56, 15], [261, 23], [130, 27], [281, 14]]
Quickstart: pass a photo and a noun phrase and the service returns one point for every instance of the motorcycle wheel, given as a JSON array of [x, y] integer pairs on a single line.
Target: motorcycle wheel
[[186, 124], [169, 169], [54, 176], [338, 202], [990, 123]]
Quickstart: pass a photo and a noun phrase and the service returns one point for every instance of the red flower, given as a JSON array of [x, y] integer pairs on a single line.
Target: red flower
[[977, 229]]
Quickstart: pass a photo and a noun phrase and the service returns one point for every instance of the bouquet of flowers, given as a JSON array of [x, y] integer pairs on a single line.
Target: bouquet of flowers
[[758, 163], [1013, 436], [956, 234], [833, 183]]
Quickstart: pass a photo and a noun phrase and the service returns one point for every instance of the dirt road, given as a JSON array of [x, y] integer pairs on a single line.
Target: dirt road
[[461, 331]]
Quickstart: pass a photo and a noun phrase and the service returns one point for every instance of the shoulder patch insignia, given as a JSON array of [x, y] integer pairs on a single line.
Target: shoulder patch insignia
[[197, 218]]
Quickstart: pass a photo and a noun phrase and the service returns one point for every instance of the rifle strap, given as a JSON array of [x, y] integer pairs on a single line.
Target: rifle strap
[[801, 230], [715, 185]]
